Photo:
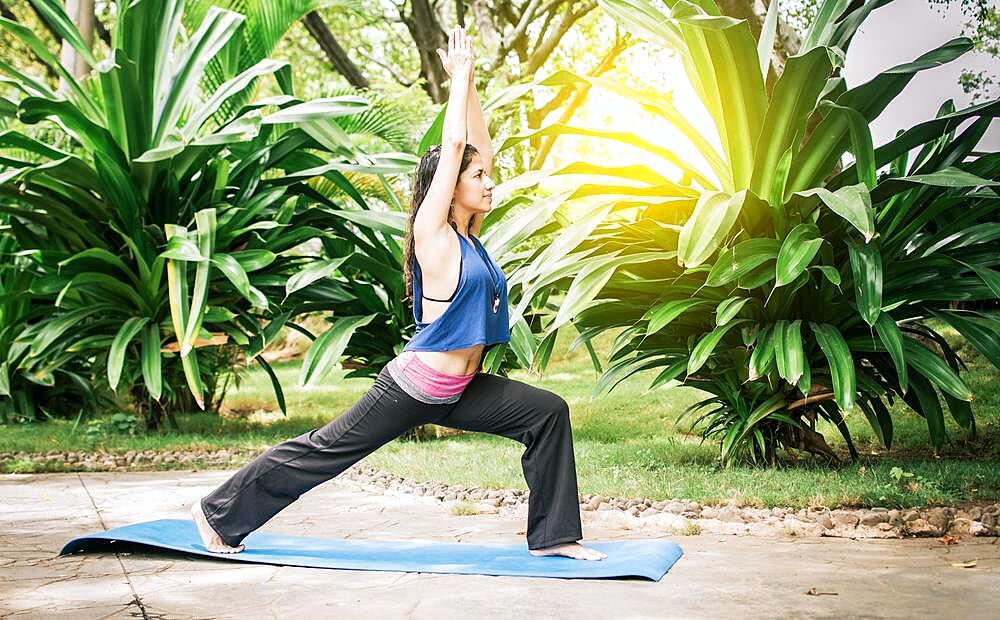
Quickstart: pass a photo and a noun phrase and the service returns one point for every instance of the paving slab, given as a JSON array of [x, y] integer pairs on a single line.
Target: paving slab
[[719, 576]]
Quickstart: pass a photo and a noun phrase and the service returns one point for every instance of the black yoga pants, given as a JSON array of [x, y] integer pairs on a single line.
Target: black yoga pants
[[490, 403]]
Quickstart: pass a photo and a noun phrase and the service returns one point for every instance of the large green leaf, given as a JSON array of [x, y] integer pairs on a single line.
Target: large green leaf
[[706, 346], [763, 352], [315, 271], [205, 221], [841, 363], [794, 98], [852, 202], [232, 269], [328, 347], [924, 400], [823, 25], [152, 360], [892, 339], [727, 310], [866, 265], [797, 251], [116, 355], [589, 281], [788, 351], [831, 136], [739, 260], [661, 315], [986, 340], [709, 225], [931, 366], [227, 90], [216, 29]]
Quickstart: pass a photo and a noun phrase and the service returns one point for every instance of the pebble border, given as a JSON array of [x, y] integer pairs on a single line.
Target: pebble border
[[677, 516]]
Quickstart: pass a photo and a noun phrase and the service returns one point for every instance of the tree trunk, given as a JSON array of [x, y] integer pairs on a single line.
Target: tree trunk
[[148, 410], [82, 14], [334, 52], [426, 31]]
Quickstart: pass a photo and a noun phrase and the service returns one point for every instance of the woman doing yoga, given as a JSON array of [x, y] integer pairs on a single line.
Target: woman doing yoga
[[436, 378]]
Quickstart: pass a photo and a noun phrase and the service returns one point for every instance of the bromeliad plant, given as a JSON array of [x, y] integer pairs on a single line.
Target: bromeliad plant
[[169, 237], [782, 283]]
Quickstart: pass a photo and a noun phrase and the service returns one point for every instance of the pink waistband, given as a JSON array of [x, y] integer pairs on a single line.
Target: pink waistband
[[430, 380]]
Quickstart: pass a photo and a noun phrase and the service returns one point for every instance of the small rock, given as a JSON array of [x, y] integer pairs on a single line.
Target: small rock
[[674, 507], [961, 526], [910, 515], [730, 515], [921, 527], [450, 496], [842, 518], [874, 518], [486, 508], [975, 513], [825, 521], [594, 502], [605, 506], [941, 518]]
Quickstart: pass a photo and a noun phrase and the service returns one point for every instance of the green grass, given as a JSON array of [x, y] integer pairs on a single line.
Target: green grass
[[626, 443]]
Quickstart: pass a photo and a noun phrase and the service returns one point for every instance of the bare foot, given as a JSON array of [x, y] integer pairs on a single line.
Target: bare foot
[[571, 550], [209, 538]]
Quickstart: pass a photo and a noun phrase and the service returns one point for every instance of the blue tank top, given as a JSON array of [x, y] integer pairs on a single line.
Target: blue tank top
[[477, 313]]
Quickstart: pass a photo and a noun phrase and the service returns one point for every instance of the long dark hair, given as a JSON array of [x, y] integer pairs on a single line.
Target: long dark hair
[[421, 182]]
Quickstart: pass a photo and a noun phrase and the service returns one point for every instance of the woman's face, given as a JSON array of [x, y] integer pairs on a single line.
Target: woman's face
[[474, 190]]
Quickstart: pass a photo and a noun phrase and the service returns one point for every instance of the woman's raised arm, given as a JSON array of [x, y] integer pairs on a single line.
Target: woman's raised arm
[[432, 216]]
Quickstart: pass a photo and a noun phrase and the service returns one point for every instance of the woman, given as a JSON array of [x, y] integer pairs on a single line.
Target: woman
[[435, 378]]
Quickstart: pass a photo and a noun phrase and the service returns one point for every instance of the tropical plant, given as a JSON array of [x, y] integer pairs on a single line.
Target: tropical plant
[[31, 388], [174, 227], [786, 285]]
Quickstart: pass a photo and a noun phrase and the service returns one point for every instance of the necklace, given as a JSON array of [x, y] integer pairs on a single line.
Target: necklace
[[494, 279]]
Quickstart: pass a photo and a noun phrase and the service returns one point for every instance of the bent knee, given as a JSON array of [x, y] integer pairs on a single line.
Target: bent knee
[[556, 406]]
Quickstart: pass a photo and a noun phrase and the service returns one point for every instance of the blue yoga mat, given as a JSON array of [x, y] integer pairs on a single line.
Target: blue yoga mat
[[626, 558]]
